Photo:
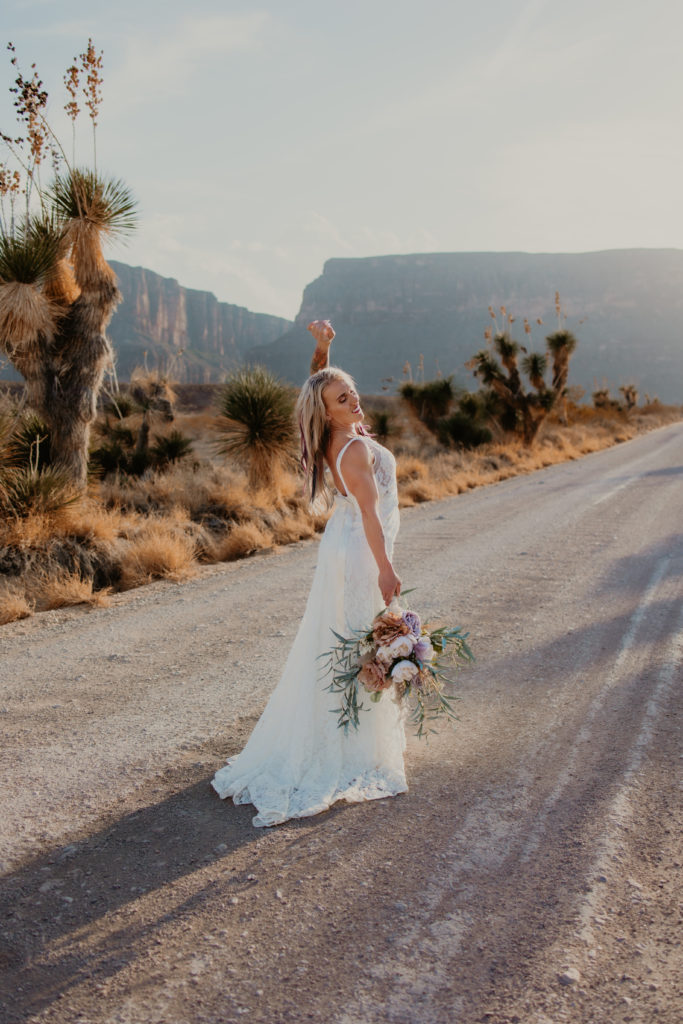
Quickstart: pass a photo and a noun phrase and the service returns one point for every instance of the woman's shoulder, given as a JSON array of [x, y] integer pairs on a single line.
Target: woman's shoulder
[[354, 455]]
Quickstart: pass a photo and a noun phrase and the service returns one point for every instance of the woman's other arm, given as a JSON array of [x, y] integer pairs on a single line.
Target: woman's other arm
[[323, 333], [360, 480]]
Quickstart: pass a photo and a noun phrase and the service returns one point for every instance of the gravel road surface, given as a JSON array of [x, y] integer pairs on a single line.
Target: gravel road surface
[[533, 872]]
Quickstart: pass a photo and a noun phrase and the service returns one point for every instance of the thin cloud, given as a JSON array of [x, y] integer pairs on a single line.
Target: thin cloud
[[160, 66]]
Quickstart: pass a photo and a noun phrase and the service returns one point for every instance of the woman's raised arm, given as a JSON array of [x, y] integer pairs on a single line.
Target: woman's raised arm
[[323, 333]]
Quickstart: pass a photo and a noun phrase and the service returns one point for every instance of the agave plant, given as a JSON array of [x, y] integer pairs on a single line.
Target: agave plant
[[256, 425]]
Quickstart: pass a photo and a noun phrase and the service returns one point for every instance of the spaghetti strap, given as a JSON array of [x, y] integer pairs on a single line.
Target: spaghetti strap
[[359, 437]]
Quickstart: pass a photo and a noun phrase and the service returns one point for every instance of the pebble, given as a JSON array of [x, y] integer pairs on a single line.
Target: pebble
[[569, 977]]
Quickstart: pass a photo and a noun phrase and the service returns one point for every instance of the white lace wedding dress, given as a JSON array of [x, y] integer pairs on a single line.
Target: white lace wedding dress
[[297, 761]]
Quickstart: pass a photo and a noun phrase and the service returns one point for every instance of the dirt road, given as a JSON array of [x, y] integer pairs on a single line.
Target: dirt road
[[531, 874]]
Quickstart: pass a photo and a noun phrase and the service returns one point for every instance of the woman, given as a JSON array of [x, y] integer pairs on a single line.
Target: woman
[[297, 762]]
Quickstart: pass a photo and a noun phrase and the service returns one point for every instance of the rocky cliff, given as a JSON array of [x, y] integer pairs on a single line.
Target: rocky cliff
[[200, 335], [625, 306]]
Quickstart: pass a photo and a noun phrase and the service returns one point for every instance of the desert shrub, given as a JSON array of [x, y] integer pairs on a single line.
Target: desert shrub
[[383, 425], [170, 448], [256, 425], [25, 492], [463, 431], [243, 539], [158, 550], [431, 400], [122, 453], [14, 604], [119, 403], [31, 442], [63, 590]]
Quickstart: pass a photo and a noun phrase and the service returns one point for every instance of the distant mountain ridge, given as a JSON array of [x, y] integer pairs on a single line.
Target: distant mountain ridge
[[202, 337], [390, 309]]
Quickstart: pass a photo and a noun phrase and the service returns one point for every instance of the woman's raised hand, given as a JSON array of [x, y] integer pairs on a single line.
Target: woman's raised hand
[[322, 331]]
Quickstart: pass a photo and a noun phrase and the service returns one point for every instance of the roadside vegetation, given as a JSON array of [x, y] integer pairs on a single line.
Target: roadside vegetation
[[186, 505]]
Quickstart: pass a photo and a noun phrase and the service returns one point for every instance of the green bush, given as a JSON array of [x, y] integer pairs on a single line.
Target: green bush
[[257, 423], [462, 430], [431, 400]]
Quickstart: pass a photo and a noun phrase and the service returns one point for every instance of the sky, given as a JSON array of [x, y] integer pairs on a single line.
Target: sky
[[262, 139]]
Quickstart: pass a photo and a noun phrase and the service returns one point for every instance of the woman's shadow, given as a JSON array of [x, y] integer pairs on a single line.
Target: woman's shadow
[[45, 904]]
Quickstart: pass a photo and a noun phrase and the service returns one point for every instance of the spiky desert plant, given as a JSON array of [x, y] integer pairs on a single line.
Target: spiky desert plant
[[170, 448], [256, 424], [602, 399], [57, 292], [562, 345], [630, 396], [153, 392], [383, 425], [429, 400], [27, 491], [467, 426], [523, 407], [31, 442]]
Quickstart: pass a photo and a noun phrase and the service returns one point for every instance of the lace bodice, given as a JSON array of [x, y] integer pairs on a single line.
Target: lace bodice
[[384, 468]]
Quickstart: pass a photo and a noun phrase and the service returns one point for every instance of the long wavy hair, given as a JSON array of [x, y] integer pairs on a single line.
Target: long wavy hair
[[315, 432]]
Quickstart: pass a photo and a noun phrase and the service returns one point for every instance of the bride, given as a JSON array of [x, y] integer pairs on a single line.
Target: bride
[[297, 762]]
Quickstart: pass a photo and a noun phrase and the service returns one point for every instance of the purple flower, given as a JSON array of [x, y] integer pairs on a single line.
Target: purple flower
[[412, 621], [423, 650]]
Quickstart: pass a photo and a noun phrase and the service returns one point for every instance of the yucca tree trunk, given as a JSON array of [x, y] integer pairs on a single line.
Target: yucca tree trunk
[[82, 354], [65, 388]]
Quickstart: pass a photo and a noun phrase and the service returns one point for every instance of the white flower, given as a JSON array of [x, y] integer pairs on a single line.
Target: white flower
[[404, 671], [402, 646], [384, 656]]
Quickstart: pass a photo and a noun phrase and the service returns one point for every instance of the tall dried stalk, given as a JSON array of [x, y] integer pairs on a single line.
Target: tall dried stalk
[[58, 293]]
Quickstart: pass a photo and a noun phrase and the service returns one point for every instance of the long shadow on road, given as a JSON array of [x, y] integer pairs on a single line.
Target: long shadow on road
[[71, 888]]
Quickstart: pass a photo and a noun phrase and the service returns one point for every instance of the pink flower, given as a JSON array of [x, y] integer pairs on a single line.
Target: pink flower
[[372, 676]]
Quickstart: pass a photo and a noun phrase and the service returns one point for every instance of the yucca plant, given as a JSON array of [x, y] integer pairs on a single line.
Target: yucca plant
[[523, 408], [383, 425], [629, 393], [57, 293], [467, 427], [31, 442], [170, 448], [429, 400], [29, 491], [256, 423]]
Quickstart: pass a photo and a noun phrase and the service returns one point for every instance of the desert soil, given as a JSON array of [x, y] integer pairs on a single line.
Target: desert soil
[[531, 874]]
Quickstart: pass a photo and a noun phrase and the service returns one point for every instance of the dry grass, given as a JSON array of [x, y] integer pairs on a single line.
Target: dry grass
[[243, 539], [14, 604], [62, 590], [159, 550], [164, 524]]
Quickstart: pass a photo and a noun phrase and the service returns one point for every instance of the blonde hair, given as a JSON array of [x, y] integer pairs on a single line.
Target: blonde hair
[[315, 432]]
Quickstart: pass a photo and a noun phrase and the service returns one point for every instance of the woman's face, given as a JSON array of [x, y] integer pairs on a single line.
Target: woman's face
[[342, 405]]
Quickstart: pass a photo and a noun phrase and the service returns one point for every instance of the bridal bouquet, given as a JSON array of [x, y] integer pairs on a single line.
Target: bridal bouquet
[[400, 656]]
